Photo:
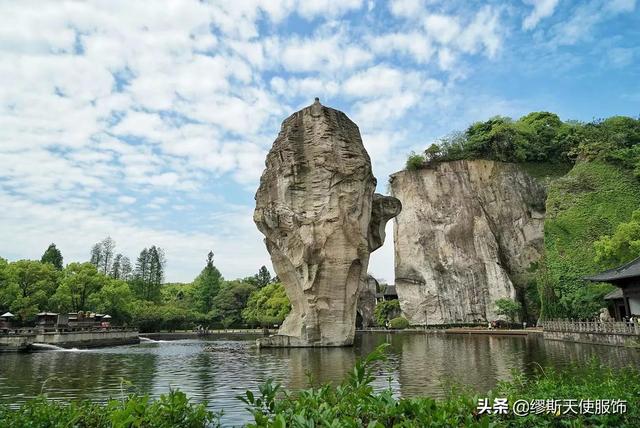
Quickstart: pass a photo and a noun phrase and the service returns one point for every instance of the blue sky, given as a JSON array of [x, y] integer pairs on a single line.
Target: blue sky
[[150, 121]]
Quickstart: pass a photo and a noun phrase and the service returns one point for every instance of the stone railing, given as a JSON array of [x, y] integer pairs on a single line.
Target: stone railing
[[25, 331], [569, 326]]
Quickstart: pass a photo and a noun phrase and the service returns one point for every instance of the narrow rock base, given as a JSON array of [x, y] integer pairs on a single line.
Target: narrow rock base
[[282, 341]]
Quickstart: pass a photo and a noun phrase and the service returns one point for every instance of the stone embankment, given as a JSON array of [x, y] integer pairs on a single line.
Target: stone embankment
[[25, 340]]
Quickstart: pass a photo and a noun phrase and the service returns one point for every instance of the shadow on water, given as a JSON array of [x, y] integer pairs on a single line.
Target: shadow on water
[[418, 364]]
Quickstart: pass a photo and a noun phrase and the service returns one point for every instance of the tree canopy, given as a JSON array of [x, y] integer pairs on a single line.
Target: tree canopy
[[623, 246], [207, 285], [267, 306], [52, 255], [540, 137]]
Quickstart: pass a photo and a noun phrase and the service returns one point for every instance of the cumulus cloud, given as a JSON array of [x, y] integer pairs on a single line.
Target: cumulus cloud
[[150, 122], [585, 17], [541, 9]]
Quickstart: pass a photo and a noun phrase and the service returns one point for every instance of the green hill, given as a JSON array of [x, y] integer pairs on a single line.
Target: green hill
[[587, 203]]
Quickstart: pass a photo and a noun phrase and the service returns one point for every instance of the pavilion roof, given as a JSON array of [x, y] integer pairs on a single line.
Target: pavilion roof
[[615, 294], [627, 270]]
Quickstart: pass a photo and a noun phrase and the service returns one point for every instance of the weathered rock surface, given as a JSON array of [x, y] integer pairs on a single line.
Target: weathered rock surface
[[316, 207], [467, 231], [367, 302]]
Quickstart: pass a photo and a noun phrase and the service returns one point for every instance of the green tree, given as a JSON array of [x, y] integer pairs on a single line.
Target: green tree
[[149, 273], [126, 270], [179, 295], [261, 279], [227, 306], [267, 306], [102, 254], [433, 152], [29, 284], [623, 245], [4, 278], [415, 161], [116, 267], [96, 257], [114, 298], [79, 283], [207, 285], [52, 255], [508, 308], [157, 264]]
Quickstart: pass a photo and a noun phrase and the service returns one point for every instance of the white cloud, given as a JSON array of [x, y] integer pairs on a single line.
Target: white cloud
[[618, 6], [383, 80], [413, 43], [327, 8], [127, 200], [541, 9], [116, 111], [484, 31], [585, 17], [442, 28], [322, 53], [27, 229], [406, 8]]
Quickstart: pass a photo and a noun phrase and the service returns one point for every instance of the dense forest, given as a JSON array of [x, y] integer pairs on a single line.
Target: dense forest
[[592, 175], [135, 293]]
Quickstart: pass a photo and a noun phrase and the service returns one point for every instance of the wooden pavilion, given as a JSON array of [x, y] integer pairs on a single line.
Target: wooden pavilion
[[626, 299]]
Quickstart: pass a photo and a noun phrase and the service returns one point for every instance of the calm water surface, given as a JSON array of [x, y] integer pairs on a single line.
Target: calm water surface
[[419, 364]]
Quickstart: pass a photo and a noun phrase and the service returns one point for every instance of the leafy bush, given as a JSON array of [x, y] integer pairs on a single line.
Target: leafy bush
[[415, 161], [541, 137], [384, 311], [509, 308], [169, 410], [399, 323], [623, 245], [355, 404], [267, 306]]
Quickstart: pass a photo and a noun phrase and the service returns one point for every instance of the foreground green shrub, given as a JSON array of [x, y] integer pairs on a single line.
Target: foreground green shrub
[[170, 410], [355, 404], [399, 323]]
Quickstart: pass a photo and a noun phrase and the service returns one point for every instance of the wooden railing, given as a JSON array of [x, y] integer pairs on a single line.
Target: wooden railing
[[613, 327]]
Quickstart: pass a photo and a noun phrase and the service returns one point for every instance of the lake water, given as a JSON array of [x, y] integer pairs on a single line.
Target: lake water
[[419, 364]]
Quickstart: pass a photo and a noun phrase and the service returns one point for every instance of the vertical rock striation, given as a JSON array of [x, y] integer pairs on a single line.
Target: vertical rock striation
[[316, 207], [467, 231], [367, 302]]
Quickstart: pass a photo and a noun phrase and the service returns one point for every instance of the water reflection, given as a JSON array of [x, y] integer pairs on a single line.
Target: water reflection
[[418, 364]]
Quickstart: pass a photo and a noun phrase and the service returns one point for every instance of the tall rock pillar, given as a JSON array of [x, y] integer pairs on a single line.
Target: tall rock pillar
[[316, 207]]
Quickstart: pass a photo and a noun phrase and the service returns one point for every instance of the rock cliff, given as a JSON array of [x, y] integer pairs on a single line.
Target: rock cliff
[[467, 230], [367, 303], [316, 207]]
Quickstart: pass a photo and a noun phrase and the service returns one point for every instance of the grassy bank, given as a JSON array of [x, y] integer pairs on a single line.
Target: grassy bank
[[354, 403]]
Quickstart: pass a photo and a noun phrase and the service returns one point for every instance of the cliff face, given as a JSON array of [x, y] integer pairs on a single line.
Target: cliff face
[[466, 231]]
